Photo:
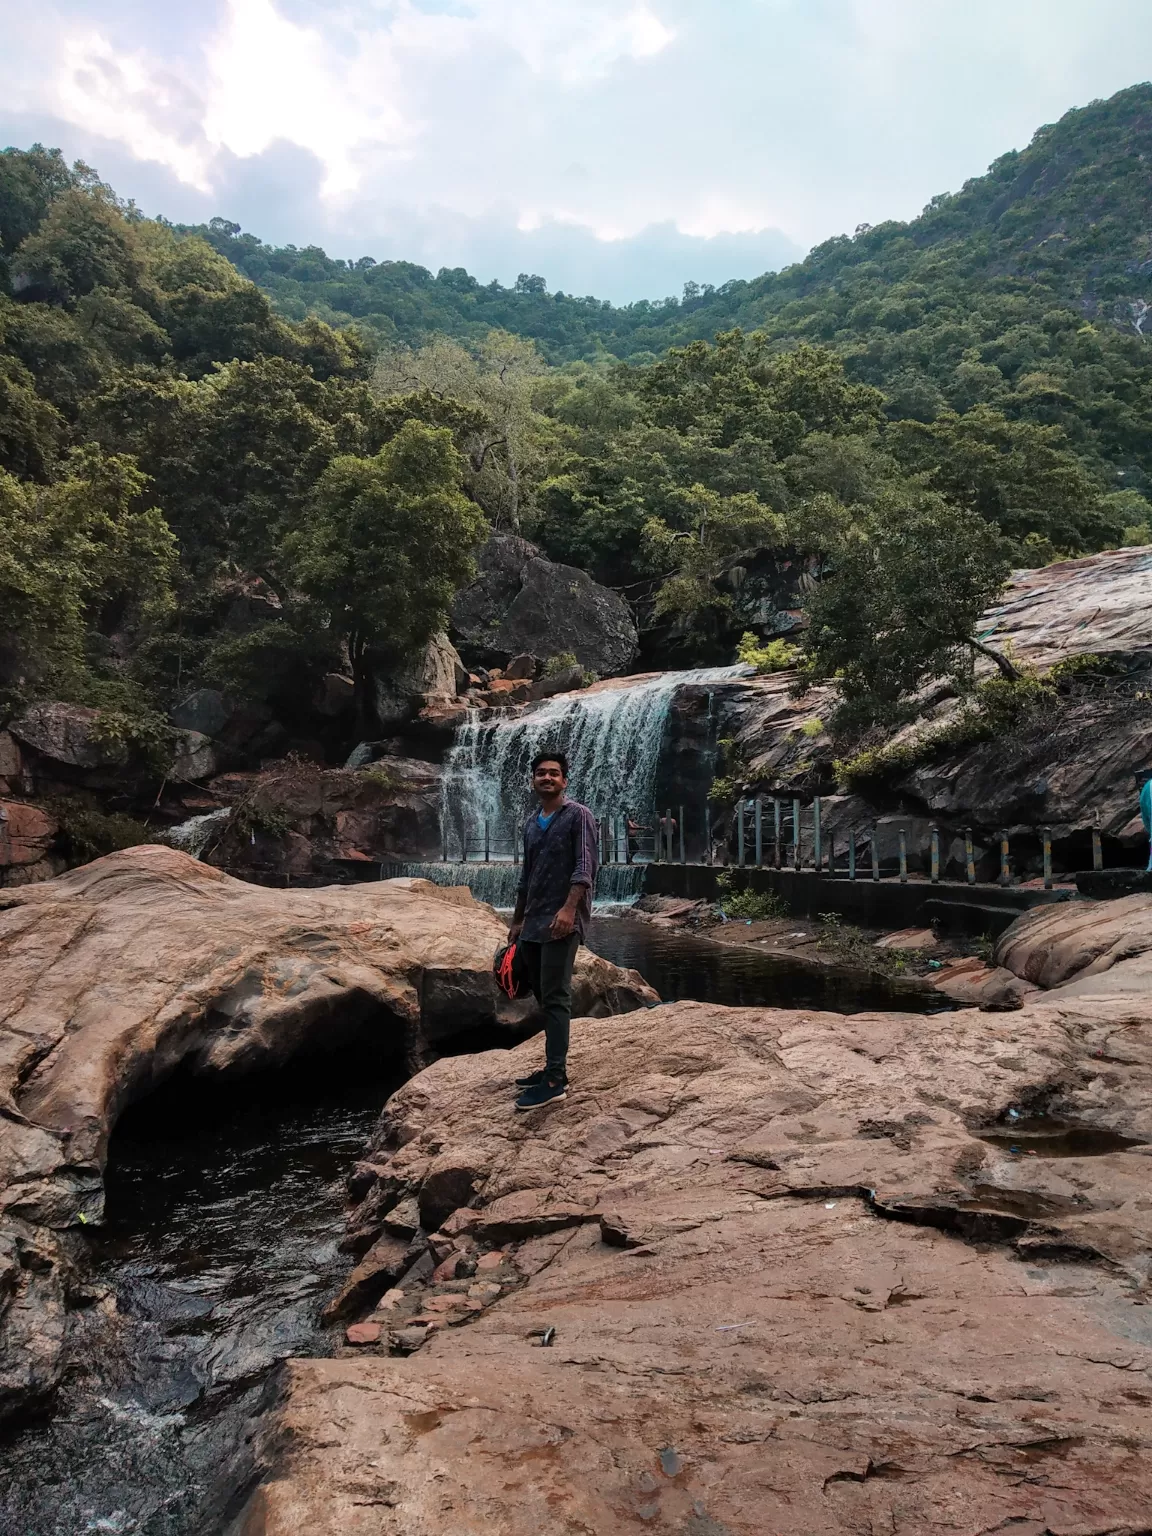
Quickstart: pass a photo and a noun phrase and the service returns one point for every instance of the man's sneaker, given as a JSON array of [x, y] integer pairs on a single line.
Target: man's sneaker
[[533, 1080], [546, 1092]]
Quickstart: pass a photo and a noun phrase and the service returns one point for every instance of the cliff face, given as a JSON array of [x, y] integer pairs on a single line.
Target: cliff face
[[1072, 765]]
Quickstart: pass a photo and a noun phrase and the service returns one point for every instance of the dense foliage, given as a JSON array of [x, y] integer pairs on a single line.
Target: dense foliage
[[222, 463], [169, 446], [1027, 290]]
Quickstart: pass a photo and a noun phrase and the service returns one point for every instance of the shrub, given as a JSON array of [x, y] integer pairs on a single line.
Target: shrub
[[747, 904], [766, 657]]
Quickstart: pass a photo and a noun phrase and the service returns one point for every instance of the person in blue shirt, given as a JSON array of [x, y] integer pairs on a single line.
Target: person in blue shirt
[[553, 905], [1146, 814]]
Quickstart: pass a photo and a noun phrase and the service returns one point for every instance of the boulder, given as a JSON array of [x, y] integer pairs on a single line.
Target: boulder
[[521, 666], [335, 695], [205, 711], [118, 973], [26, 833], [68, 734], [194, 758], [522, 602], [1079, 941], [793, 1288], [437, 675]]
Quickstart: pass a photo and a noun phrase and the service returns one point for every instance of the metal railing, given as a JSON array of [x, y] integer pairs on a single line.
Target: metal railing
[[785, 832]]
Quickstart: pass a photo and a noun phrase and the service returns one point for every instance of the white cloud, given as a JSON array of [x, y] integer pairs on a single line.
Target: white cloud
[[363, 123]]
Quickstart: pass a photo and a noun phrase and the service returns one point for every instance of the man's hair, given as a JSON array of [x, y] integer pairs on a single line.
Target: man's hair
[[551, 757]]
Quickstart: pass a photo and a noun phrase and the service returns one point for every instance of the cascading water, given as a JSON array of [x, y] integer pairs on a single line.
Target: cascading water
[[612, 736], [194, 835]]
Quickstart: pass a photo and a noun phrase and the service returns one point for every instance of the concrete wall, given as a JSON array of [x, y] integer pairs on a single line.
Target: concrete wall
[[956, 906]]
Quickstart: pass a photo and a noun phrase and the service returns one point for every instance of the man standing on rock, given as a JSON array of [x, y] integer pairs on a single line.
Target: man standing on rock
[[553, 906], [1146, 814]]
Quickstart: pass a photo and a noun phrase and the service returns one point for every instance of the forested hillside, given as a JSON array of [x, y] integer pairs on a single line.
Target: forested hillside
[[203, 483]]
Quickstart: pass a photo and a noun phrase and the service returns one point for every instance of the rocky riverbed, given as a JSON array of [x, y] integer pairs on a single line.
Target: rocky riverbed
[[792, 1272], [117, 975], [765, 1270]]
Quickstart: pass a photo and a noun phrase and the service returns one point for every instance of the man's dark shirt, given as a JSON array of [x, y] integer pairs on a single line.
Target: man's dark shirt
[[556, 858]]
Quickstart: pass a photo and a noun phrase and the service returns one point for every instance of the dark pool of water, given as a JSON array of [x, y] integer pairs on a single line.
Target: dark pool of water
[[1047, 1136], [684, 967], [223, 1217]]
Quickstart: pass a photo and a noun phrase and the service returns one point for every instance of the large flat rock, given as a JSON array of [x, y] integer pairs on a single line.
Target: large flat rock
[[117, 974], [793, 1293]]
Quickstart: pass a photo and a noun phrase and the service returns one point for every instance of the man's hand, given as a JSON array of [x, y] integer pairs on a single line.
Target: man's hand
[[514, 930], [563, 923]]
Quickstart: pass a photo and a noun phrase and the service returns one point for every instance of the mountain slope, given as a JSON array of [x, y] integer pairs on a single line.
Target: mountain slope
[[1068, 219]]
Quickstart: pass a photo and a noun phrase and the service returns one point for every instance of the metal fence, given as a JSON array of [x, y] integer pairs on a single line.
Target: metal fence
[[780, 832]]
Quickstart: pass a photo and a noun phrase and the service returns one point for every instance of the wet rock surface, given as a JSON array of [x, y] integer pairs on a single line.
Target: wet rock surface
[[120, 973], [797, 1284]]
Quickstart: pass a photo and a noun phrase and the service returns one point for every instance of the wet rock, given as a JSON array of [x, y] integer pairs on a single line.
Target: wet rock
[[385, 1261], [971, 982], [522, 603], [837, 1272]]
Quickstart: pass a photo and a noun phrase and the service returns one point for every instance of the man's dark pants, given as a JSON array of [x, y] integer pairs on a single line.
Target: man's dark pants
[[549, 970]]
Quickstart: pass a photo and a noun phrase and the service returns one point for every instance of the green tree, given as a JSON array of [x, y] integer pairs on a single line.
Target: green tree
[[505, 439], [1015, 474], [383, 545], [76, 556], [901, 604]]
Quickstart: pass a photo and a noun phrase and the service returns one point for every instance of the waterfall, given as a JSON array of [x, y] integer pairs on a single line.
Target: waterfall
[[612, 736], [194, 835]]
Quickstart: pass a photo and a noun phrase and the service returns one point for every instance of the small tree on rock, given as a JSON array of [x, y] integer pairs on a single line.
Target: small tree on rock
[[901, 604]]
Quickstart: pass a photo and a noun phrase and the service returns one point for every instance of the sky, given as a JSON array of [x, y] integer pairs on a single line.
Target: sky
[[615, 147]]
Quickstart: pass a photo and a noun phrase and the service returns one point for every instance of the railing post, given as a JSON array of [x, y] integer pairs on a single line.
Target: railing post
[[795, 834], [1047, 833], [776, 827], [487, 841], [740, 832], [1097, 849], [1005, 860], [935, 855], [851, 853], [903, 856], [444, 843], [759, 814], [668, 834], [969, 857], [817, 847], [875, 853], [683, 855]]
